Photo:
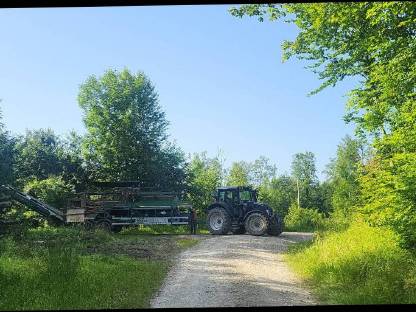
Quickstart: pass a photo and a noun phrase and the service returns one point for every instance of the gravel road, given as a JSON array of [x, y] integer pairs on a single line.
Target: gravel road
[[234, 270]]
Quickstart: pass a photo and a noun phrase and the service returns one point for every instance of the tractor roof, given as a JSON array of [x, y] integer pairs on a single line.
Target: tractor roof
[[222, 188]]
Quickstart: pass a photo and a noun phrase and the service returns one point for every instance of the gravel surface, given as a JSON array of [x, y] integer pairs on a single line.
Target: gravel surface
[[234, 270]]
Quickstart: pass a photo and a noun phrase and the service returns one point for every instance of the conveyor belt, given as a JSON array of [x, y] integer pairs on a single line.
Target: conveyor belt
[[33, 204]]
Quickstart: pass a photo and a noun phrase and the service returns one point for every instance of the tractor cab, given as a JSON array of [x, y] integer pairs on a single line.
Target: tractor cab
[[236, 195]]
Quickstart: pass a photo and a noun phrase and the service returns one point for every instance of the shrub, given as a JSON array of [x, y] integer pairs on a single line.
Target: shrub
[[302, 219], [389, 195], [53, 191]]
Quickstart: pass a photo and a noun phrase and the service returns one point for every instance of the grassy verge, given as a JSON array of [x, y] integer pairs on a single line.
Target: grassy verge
[[68, 268], [360, 265]]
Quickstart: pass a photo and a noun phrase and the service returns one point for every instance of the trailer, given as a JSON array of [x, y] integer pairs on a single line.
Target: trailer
[[115, 206]]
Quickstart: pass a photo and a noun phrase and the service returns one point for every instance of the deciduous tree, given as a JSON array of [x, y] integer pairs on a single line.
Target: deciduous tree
[[127, 138]]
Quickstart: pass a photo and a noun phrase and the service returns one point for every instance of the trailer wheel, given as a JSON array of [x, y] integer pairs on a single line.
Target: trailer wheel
[[256, 224], [89, 225], [104, 225], [275, 227], [218, 221], [116, 228]]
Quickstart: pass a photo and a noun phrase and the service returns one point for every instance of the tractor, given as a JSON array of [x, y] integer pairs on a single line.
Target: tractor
[[236, 209]]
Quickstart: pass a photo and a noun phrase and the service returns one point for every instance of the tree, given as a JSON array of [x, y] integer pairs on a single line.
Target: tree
[[74, 169], [304, 175], [279, 194], [343, 173], [54, 191], [6, 155], [239, 174], [375, 42], [204, 175], [372, 41], [262, 171], [127, 137], [37, 156]]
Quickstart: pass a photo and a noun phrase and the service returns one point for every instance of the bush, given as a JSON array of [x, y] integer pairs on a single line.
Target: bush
[[389, 195], [302, 219], [53, 191], [360, 265]]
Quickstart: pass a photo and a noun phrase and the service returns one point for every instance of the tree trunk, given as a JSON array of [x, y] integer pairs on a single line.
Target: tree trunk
[[297, 184]]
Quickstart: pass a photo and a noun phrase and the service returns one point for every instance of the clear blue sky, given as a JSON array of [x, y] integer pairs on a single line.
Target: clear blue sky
[[220, 79]]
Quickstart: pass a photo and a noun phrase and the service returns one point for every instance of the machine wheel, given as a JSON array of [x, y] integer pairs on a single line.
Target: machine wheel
[[256, 224], [240, 230], [89, 225], [104, 225], [116, 228], [218, 221], [275, 227]]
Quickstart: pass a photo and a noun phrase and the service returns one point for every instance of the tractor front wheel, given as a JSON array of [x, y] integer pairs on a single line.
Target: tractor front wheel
[[256, 224], [218, 221], [275, 227]]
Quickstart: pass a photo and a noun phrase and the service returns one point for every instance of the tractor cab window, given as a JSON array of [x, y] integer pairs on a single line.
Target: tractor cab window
[[221, 196], [228, 196], [245, 195]]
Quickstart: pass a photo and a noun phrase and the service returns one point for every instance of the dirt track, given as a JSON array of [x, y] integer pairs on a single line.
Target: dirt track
[[234, 270]]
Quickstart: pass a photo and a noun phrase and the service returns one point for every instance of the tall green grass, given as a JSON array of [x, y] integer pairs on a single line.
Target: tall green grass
[[303, 219], [360, 265], [49, 269], [164, 229]]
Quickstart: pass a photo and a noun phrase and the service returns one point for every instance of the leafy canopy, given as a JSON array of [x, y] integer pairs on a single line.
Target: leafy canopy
[[126, 126], [376, 43]]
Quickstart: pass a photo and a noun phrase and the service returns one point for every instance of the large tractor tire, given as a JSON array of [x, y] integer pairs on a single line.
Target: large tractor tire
[[240, 230], [218, 221], [257, 224], [276, 226]]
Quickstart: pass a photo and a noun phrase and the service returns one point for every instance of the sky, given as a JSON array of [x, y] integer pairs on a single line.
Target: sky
[[220, 79]]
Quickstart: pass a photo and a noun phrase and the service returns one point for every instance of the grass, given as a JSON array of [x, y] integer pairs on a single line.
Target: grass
[[185, 243], [68, 268], [164, 229], [360, 265]]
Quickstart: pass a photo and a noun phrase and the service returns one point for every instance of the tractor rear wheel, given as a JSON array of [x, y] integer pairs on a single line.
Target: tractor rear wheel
[[256, 224], [275, 227], [218, 221]]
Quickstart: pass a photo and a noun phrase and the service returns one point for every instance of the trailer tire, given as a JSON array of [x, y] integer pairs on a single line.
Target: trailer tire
[[116, 228], [89, 225], [256, 224], [104, 225], [218, 221], [276, 226]]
